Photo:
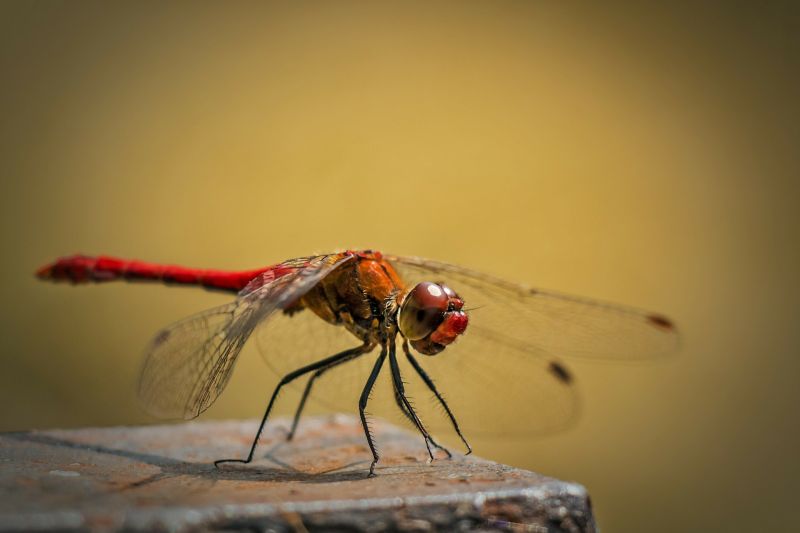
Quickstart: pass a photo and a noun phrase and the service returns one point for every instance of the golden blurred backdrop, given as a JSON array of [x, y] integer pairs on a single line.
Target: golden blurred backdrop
[[646, 156]]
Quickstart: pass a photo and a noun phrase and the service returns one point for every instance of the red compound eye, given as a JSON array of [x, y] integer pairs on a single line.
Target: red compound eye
[[423, 310]]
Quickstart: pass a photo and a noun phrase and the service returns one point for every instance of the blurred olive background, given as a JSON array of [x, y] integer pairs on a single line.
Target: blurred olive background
[[641, 155]]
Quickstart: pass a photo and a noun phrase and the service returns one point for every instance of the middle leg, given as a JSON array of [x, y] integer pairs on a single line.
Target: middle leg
[[429, 382], [399, 400], [362, 405]]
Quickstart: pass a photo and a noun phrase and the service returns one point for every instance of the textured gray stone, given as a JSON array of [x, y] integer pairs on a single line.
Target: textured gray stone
[[162, 478]]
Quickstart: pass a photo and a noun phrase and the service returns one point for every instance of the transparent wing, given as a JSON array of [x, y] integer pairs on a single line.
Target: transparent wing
[[185, 360], [188, 364], [503, 379], [537, 321]]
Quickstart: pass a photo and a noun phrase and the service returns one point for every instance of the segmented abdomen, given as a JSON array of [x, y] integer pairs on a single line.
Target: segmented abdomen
[[86, 269]]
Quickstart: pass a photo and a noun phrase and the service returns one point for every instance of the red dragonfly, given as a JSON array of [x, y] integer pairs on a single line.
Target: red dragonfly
[[308, 311]]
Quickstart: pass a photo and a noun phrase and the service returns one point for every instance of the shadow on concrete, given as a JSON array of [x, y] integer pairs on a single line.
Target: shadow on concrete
[[175, 467]]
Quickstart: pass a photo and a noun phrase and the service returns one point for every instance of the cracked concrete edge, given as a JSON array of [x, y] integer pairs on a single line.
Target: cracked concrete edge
[[555, 506]]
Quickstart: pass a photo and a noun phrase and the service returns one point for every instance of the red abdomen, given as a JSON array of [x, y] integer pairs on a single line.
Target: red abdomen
[[86, 269]]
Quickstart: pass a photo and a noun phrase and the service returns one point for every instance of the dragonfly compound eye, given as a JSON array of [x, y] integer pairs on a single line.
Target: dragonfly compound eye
[[422, 310], [431, 317]]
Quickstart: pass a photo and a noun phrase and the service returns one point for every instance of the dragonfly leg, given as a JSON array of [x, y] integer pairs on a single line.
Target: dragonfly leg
[[429, 382], [362, 404], [288, 378], [367, 347], [400, 390], [408, 415]]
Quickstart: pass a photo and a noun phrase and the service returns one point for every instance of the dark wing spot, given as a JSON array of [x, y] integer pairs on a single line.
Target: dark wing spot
[[533, 292], [661, 322], [560, 372], [161, 337]]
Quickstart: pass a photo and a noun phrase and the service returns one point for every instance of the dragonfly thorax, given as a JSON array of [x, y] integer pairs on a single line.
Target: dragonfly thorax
[[431, 317]]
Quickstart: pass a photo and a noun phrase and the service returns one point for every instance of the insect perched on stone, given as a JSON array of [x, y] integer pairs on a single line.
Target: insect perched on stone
[[504, 378]]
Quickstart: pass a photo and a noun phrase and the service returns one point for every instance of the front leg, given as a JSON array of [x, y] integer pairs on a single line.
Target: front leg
[[400, 390]]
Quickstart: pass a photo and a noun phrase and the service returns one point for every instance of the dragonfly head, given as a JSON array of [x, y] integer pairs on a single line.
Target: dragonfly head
[[431, 317]]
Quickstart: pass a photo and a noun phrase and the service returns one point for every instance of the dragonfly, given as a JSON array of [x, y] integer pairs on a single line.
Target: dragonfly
[[500, 359]]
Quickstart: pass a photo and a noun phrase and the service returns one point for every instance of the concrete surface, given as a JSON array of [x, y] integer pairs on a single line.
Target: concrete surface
[[162, 478]]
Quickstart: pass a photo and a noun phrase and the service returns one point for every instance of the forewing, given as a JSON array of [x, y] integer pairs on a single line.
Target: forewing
[[188, 364], [505, 377], [538, 321]]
